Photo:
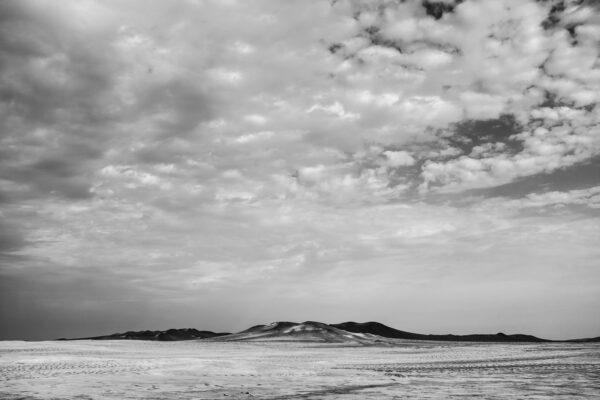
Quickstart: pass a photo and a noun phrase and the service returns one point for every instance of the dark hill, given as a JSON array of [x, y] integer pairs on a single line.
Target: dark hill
[[377, 328], [166, 336]]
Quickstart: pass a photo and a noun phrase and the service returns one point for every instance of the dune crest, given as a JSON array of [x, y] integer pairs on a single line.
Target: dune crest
[[308, 331]]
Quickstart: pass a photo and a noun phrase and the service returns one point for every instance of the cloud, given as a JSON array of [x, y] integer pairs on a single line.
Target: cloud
[[589, 197], [11, 240], [209, 150], [565, 138], [399, 158], [554, 200]]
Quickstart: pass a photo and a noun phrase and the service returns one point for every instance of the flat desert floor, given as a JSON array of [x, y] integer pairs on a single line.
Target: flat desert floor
[[212, 370]]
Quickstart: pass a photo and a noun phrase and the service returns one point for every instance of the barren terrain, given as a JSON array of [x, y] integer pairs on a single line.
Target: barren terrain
[[296, 370]]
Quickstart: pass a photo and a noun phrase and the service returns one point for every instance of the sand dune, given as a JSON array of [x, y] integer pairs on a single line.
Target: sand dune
[[309, 331]]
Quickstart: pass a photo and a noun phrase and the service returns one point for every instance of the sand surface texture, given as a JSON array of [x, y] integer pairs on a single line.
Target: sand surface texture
[[216, 370]]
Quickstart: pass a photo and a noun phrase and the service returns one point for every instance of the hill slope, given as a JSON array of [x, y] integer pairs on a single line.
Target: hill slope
[[309, 331], [167, 336], [377, 328]]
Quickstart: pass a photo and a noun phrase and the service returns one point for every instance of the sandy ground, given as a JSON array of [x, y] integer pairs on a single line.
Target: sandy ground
[[211, 370]]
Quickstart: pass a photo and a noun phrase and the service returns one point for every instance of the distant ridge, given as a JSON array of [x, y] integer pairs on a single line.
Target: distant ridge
[[312, 331], [169, 335], [586, 340], [380, 329]]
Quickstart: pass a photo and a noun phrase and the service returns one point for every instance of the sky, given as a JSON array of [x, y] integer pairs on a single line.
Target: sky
[[431, 165]]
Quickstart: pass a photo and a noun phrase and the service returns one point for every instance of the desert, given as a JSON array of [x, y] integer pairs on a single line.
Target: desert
[[296, 369]]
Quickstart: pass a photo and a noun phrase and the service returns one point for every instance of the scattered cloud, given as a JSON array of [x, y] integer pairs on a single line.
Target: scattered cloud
[[198, 151]]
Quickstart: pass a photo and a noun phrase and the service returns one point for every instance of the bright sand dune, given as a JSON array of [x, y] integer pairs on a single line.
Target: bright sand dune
[[213, 370]]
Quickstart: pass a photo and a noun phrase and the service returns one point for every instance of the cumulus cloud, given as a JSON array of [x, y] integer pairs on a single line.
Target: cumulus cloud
[[552, 201], [589, 197], [399, 158], [201, 149]]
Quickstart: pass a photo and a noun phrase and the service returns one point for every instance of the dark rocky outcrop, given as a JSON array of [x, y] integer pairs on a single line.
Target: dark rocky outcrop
[[377, 328], [586, 340], [163, 336]]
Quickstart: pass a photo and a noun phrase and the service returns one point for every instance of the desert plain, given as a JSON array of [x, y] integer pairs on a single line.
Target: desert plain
[[202, 369]]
